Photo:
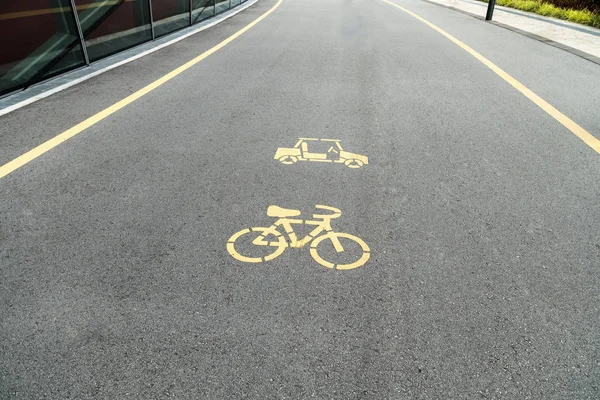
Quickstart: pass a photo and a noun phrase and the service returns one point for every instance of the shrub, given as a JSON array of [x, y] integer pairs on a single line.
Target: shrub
[[591, 5], [579, 11], [528, 5]]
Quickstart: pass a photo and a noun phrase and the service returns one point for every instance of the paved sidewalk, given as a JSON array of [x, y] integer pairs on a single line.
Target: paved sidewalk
[[582, 39]]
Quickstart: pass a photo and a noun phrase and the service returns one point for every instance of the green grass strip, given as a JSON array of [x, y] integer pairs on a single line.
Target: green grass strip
[[584, 17]]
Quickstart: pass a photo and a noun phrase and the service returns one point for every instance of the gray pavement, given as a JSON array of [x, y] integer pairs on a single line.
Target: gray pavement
[[479, 209]]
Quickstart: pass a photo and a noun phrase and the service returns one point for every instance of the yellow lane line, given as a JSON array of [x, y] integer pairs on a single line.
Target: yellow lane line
[[568, 123], [80, 127]]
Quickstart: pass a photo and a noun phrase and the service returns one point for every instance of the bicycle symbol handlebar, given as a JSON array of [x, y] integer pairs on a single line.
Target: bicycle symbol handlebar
[[336, 212]]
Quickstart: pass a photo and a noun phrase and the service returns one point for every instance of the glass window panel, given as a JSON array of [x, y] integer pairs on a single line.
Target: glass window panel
[[110, 26], [221, 5], [235, 2], [202, 9], [170, 15], [38, 39]]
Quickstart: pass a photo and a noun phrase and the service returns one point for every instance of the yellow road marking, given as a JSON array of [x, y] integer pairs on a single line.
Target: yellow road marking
[[69, 133], [568, 123], [290, 155], [322, 231]]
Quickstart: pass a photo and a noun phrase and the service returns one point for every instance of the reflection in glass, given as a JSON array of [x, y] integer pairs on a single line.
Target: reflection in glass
[[38, 39], [170, 15], [221, 5], [109, 26], [202, 9]]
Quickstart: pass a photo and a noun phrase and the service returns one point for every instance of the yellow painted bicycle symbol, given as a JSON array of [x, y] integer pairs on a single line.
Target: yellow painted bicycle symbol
[[274, 242]]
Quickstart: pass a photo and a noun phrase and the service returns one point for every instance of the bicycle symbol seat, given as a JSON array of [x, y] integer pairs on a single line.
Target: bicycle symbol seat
[[272, 238], [278, 212]]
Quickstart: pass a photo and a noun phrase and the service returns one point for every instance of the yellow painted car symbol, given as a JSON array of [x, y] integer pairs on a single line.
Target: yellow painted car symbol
[[334, 154]]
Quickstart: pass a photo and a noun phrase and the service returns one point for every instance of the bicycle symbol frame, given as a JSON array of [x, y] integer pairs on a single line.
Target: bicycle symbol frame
[[322, 231]]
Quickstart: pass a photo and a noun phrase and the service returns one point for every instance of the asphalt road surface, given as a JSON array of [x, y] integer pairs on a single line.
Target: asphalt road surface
[[478, 213]]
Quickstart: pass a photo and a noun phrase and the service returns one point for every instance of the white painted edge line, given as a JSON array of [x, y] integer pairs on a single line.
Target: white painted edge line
[[74, 82]]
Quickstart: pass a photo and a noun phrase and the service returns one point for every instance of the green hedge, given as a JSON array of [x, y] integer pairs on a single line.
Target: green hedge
[[591, 5], [578, 11]]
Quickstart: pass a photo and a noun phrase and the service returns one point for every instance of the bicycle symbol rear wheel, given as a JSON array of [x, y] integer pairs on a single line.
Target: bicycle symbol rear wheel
[[279, 246], [366, 252]]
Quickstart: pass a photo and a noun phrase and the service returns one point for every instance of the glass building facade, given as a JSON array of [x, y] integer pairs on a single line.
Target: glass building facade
[[40, 39]]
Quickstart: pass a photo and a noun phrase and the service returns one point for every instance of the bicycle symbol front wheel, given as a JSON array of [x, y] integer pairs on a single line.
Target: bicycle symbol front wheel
[[366, 252], [279, 245]]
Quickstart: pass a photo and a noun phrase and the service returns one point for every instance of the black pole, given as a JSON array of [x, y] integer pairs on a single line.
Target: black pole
[[490, 10]]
